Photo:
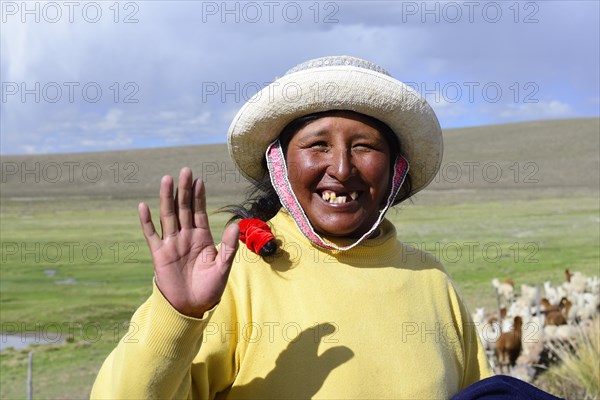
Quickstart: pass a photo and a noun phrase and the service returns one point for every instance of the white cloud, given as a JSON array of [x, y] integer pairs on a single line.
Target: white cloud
[[104, 144], [167, 115], [444, 108], [539, 110], [30, 149], [111, 121], [201, 119]]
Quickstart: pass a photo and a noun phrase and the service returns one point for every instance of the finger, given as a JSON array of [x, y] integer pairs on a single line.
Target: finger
[[200, 215], [168, 218], [154, 242], [229, 246], [184, 198], [175, 206]]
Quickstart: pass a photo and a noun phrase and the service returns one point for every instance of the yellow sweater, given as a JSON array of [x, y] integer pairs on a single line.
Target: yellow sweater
[[381, 320]]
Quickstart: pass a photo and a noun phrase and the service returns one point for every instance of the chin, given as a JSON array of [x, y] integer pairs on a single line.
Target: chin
[[338, 233], [337, 229]]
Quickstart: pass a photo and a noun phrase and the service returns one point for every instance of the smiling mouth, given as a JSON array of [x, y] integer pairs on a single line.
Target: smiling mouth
[[338, 198]]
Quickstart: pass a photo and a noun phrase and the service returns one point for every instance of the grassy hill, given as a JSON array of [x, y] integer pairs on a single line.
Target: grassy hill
[[523, 159]]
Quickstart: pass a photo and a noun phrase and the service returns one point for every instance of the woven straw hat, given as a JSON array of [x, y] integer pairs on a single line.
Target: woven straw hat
[[337, 83]]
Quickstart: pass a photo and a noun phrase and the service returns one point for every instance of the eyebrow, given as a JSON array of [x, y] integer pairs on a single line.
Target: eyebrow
[[358, 135], [320, 132]]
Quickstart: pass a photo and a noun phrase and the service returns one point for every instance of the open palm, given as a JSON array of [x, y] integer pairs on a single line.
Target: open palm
[[189, 270]]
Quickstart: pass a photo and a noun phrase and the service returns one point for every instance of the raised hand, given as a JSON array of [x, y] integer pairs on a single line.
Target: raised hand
[[189, 270]]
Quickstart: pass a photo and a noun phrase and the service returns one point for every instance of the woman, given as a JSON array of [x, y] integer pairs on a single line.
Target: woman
[[341, 308]]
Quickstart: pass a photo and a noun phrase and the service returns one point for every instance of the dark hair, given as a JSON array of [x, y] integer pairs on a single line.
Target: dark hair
[[262, 201]]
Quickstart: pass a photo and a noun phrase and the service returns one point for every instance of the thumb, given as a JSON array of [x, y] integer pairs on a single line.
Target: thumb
[[334, 357]]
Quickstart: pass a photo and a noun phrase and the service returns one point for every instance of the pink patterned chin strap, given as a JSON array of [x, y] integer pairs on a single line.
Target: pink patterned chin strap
[[279, 178]]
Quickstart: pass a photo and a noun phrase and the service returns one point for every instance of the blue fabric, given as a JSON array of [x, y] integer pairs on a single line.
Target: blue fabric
[[503, 387]]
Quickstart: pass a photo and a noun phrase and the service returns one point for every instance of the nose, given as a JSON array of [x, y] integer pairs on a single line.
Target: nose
[[341, 166]]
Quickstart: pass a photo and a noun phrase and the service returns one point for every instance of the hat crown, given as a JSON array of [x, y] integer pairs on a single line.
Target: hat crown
[[337, 60], [338, 83]]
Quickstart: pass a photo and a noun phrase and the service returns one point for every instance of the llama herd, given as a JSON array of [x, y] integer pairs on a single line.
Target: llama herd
[[519, 336]]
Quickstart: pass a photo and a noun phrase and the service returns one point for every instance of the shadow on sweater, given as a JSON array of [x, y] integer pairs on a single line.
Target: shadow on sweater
[[299, 371]]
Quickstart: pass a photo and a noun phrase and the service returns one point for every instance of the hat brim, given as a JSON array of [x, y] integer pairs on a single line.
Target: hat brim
[[260, 121]]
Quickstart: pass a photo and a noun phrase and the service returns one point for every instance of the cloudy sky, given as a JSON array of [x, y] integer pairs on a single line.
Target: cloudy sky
[[106, 75]]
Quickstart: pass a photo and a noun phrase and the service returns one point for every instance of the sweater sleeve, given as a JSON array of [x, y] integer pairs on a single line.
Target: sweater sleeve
[[159, 357]]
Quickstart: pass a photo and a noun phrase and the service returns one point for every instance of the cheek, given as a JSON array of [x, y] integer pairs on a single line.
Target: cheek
[[377, 172], [302, 173]]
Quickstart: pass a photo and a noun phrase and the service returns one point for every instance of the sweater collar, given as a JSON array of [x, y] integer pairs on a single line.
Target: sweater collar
[[285, 230]]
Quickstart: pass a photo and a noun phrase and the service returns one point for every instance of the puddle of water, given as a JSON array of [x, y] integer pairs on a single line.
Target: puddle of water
[[50, 273], [72, 281], [68, 281], [24, 340]]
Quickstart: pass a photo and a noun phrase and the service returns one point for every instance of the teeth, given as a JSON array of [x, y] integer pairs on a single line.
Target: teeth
[[341, 200], [332, 198]]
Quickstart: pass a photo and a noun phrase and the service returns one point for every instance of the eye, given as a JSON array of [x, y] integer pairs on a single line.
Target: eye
[[368, 145], [364, 146], [318, 145]]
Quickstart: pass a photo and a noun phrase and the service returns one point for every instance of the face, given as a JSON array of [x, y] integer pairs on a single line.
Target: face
[[339, 170]]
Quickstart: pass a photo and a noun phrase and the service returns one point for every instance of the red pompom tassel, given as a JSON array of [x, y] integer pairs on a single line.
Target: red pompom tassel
[[255, 234]]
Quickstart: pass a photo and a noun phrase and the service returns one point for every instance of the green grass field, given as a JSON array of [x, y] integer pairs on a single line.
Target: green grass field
[[75, 265]]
